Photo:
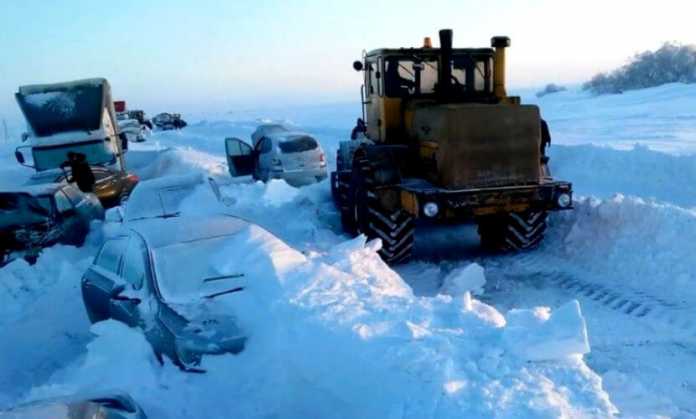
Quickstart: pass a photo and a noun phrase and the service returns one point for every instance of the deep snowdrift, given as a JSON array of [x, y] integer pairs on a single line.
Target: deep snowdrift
[[343, 336]]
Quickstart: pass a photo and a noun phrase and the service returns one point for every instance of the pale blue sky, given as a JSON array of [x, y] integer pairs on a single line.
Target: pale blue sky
[[216, 54]]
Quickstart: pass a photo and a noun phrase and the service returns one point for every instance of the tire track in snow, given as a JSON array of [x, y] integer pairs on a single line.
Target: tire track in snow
[[637, 304]]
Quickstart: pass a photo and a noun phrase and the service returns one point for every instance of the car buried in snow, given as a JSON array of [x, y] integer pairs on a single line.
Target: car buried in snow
[[277, 153], [38, 216], [156, 275], [107, 405]]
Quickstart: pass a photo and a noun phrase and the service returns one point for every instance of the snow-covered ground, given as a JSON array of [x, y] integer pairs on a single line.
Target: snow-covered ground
[[600, 320]]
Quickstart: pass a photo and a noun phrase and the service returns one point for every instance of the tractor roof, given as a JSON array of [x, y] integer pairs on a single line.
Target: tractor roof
[[426, 51]]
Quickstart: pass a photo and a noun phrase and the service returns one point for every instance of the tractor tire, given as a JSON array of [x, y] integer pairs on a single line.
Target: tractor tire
[[394, 227], [512, 232]]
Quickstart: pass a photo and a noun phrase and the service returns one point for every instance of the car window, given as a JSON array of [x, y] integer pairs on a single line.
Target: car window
[[298, 144], [73, 194], [134, 262], [62, 202], [110, 254]]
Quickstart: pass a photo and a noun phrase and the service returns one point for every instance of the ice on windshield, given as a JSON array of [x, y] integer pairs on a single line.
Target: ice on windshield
[[185, 275], [73, 109]]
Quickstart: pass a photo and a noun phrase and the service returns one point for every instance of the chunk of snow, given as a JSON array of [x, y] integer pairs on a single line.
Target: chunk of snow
[[468, 279], [538, 335]]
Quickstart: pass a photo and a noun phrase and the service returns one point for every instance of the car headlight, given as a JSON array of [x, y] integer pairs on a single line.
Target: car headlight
[[564, 200], [430, 209]]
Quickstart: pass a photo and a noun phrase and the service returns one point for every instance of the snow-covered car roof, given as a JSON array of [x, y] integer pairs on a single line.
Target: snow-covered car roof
[[161, 232]]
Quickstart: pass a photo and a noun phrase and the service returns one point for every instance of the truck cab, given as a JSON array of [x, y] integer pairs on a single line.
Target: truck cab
[[75, 117]]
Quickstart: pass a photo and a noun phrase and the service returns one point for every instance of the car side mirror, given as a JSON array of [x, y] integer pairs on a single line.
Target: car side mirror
[[25, 136], [357, 65], [19, 156]]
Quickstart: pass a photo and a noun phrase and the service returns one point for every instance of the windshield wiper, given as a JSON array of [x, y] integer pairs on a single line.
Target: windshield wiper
[[217, 278], [217, 294]]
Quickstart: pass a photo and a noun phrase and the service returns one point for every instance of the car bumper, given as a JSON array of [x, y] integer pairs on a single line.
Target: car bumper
[[301, 177]]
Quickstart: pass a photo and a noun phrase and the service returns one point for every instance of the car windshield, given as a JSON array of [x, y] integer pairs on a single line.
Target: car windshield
[[297, 144], [18, 209], [184, 274], [97, 152], [77, 108]]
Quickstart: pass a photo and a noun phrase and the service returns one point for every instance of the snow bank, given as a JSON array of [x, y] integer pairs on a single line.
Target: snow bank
[[603, 172], [340, 335], [634, 244]]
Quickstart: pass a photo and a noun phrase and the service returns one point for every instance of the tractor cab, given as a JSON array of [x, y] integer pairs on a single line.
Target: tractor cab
[[398, 81]]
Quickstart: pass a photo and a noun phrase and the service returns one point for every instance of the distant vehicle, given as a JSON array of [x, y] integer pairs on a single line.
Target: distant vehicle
[[277, 153], [133, 130], [157, 275], [168, 121], [34, 217], [75, 116], [84, 406]]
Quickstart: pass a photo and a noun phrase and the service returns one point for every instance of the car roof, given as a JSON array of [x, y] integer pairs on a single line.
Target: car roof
[[162, 232]]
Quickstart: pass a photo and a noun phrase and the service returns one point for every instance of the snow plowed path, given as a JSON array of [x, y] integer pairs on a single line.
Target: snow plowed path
[[643, 346]]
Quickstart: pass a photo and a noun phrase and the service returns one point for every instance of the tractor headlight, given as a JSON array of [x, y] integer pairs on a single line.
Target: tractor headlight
[[430, 209], [564, 200]]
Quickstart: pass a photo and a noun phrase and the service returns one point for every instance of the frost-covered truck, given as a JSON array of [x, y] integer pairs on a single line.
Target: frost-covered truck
[[78, 117], [442, 140]]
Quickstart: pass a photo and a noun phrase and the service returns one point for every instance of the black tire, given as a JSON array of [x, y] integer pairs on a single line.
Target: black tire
[[512, 232], [341, 189], [394, 227]]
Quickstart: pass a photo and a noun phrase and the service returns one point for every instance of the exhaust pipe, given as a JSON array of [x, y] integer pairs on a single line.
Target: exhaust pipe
[[499, 43], [444, 78]]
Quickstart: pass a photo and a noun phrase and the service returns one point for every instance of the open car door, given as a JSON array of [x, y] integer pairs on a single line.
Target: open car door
[[240, 157]]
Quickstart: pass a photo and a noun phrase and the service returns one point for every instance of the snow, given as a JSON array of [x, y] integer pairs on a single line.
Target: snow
[[599, 321]]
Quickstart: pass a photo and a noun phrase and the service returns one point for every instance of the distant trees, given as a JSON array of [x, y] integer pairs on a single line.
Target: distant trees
[[549, 89], [671, 63]]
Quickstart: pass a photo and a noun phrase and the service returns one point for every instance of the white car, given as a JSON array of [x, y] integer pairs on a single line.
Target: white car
[[277, 153]]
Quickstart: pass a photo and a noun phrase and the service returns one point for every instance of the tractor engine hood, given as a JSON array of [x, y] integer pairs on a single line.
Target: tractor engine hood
[[478, 145]]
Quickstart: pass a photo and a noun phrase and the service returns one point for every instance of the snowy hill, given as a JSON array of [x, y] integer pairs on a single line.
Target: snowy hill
[[599, 320]]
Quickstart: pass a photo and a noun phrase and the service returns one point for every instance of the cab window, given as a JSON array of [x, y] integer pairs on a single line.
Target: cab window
[[135, 262], [109, 256]]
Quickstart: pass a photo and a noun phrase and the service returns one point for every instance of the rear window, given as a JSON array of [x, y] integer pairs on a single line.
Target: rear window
[[298, 145]]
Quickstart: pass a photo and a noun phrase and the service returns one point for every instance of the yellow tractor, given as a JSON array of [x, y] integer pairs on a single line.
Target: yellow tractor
[[439, 138]]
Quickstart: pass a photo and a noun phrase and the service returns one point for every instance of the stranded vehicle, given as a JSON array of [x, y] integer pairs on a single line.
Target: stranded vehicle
[[168, 121], [172, 274], [37, 216], [442, 140], [278, 153], [75, 116], [132, 123]]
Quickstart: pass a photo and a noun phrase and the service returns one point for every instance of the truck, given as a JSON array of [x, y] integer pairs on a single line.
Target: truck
[[440, 139], [79, 117]]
